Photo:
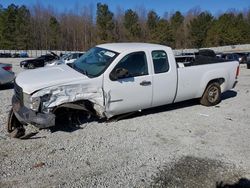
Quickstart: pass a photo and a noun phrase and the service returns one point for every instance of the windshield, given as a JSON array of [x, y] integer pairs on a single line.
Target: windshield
[[94, 62], [65, 56]]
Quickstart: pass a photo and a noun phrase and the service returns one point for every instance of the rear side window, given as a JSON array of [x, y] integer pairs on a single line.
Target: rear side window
[[160, 61], [135, 63]]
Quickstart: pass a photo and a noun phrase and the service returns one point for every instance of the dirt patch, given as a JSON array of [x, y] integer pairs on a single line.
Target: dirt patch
[[196, 172]]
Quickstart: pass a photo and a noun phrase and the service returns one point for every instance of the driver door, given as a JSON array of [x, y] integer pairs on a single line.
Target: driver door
[[130, 92]]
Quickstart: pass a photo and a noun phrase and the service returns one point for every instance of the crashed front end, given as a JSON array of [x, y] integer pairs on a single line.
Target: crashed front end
[[38, 108], [26, 110]]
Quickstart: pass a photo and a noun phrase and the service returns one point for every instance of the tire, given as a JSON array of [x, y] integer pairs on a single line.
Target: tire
[[248, 66], [212, 95], [30, 66], [14, 127]]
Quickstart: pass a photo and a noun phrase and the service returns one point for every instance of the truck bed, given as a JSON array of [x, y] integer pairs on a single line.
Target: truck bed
[[194, 77], [194, 60]]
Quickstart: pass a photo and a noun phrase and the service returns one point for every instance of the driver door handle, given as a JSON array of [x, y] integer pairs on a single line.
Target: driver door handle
[[145, 83]]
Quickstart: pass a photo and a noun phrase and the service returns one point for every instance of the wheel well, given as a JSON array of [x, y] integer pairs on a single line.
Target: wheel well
[[85, 105], [217, 80]]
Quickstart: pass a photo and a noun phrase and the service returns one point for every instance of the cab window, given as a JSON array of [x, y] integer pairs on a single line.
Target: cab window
[[160, 61], [135, 63]]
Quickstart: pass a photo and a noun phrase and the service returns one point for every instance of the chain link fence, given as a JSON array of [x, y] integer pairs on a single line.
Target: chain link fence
[[34, 53], [220, 49]]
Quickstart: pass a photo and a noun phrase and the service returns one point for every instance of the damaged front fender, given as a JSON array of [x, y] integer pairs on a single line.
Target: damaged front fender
[[54, 97]]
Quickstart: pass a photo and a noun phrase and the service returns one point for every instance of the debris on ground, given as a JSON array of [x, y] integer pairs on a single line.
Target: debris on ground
[[205, 115], [38, 165]]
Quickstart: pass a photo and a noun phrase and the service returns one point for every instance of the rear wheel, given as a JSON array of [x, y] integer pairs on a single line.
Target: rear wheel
[[212, 95], [248, 66], [30, 66]]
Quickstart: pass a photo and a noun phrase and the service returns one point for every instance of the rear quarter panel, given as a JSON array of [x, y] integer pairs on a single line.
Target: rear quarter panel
[[193, 80]]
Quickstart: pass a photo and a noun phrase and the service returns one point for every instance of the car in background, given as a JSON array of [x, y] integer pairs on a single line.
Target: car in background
[[14, 55], [66, 59], [6, 73], [20, 55], [23, 55], [38, 62], [248, 61], [231, 57], [5, 55], [241, 57], [72, 57]]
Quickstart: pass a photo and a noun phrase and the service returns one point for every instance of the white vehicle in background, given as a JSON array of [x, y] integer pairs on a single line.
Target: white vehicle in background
[[117, 78], [6, 74], [72, 57], [66, 59]]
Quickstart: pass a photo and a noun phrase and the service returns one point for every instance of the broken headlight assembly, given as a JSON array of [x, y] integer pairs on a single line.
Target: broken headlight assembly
[[46, 97], [30, 102]]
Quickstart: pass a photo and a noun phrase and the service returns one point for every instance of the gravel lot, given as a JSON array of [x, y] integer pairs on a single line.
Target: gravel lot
[[180, 145]]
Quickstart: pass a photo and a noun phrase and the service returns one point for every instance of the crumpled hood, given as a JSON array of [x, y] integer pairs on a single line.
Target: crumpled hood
[[33, 80]]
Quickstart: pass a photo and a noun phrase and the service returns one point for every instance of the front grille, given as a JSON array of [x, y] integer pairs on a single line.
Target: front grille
[[18, 92]]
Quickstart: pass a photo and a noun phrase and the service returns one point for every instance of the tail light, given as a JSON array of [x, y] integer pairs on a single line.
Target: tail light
[[237, 71], [8, 68]]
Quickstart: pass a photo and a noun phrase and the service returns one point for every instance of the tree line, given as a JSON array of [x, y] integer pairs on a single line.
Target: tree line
[[23, 28]]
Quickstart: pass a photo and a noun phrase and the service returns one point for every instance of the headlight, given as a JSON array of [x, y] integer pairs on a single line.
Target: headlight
[[30, 102], [46, 97]]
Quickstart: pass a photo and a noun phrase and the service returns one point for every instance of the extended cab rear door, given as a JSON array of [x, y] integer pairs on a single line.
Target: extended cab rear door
[[133, 91], [164, 76]]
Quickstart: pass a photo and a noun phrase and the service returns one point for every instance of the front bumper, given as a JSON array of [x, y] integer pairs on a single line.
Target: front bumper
[[25, 115]]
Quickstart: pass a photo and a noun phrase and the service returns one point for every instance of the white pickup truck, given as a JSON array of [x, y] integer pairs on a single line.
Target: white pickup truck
[[117, 78]]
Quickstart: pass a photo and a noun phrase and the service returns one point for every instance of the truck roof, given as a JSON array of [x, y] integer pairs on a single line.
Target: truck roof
[[120, 47]]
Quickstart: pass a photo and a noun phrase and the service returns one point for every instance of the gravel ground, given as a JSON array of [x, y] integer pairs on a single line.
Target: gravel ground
[[180, 145]]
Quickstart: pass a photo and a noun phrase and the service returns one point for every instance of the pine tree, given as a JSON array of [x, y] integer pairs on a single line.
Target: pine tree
[[132, 26], [177, 28], [1, 26], [105, 23], [199, 27], [152, 22], [22, 31], [9, 27], [229, 29], [163, 34], [54, 33]]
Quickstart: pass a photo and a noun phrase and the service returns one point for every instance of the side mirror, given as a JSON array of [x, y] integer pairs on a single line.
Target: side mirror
[[118, 73]]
